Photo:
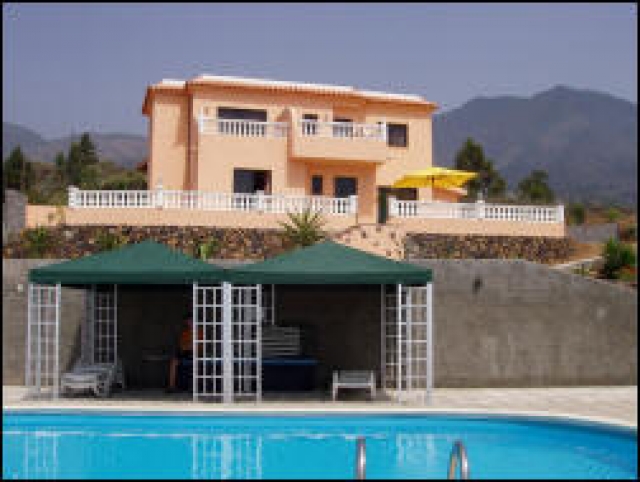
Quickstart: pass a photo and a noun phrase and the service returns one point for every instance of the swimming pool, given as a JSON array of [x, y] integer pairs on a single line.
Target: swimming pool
[[137, 445]]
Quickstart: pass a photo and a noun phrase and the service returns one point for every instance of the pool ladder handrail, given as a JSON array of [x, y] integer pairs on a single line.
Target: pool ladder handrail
[[458, 454], [361, 459]]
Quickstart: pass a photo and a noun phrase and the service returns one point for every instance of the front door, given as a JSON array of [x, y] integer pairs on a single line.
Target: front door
[[383, 204]]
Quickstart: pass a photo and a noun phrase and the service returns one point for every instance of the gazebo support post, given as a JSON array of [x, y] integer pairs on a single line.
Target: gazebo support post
[[28, 371], [383, 341], [429, 314], [227, 347], [194, 336], [399, 308], [56, 361]]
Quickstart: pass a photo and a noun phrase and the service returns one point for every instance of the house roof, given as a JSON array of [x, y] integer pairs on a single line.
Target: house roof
[[330, 263], [142, 263], [176, 85]]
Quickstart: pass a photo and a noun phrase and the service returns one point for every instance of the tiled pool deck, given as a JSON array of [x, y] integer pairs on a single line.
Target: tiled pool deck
[[617, 404]]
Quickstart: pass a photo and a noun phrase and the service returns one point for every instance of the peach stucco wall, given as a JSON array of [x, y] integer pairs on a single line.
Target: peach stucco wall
[[209, 162], [37, 215], [40, 216], [480, 226], [169, 136]]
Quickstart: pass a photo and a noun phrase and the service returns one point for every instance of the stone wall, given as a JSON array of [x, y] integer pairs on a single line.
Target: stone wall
[[235, 243], [240, 243], [444, 246], [507, 323], [13, 213], [14, 319]]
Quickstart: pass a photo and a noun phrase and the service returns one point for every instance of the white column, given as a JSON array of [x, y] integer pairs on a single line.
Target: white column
[[159, 195], [260, 200], [429, 309], [227, 346], [399, 342], [29, 357], [259, 344], [383, 339], [353, 204], [194, 340], [73, 200], [56, 361], [115, 326]]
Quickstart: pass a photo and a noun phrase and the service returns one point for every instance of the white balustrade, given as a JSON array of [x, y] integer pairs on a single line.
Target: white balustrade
[[343, 130], [212, 201], [242, 128], [479, 210]]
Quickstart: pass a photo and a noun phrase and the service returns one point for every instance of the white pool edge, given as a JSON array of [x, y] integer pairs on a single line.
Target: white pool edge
[[133, 410]]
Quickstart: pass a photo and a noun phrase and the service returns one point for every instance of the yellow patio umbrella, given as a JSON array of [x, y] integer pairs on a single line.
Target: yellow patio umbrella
[[440, 177]]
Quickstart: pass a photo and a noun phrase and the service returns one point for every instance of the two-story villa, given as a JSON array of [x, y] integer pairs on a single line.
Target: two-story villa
[[237, 152], [229, 134]]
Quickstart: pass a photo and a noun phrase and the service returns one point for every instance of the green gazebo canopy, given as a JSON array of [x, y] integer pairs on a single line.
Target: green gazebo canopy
[[330, 263], [143, 263]]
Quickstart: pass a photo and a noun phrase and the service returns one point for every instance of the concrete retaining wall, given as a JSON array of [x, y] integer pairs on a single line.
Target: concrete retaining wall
[[504, 323], [598, 233]]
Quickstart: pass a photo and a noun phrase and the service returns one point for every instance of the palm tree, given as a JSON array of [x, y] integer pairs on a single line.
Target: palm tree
[[304, 228]]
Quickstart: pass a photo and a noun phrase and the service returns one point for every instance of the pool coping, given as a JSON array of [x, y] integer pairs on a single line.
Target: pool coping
[[133, 410]]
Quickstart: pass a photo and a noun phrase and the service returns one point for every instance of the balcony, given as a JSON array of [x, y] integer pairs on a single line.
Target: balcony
[[310, 140], [339, 141], [242, 128]]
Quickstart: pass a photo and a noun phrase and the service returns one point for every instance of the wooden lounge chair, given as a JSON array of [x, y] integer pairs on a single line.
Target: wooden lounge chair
[[353, 379], [97, 377]]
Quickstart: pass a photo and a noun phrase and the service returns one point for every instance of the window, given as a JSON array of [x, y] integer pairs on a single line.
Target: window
[[242, 114], [249, 181], [226, 116], [310, 126], [316, 185], [342, 128], [397, 135], [345, 186]]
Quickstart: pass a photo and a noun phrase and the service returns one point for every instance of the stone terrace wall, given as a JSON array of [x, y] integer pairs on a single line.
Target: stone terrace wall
[[235, 243], [13, 213], [250, 244], [444, 246]]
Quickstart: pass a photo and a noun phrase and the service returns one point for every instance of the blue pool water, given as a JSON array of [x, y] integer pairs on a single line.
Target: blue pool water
[[315, 446]]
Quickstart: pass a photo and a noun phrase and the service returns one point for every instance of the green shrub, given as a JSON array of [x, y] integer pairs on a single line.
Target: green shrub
[[207, 249], [612, 214], [576, 213], [107, 241], [38, 241], [616, 256]]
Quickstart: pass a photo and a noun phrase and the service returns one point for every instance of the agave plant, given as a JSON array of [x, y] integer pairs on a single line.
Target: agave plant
[[207, 249], [304, 228]]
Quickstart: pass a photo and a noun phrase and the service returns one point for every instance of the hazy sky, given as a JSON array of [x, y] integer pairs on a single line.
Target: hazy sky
[[69, 68]]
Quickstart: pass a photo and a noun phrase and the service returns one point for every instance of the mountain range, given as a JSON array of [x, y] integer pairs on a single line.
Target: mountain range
[[126, 150], [585, 140]]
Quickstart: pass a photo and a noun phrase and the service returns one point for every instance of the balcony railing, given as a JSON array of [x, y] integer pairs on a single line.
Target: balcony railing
[[479, 210], [242, 128], [213, 201], [343, 130]]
